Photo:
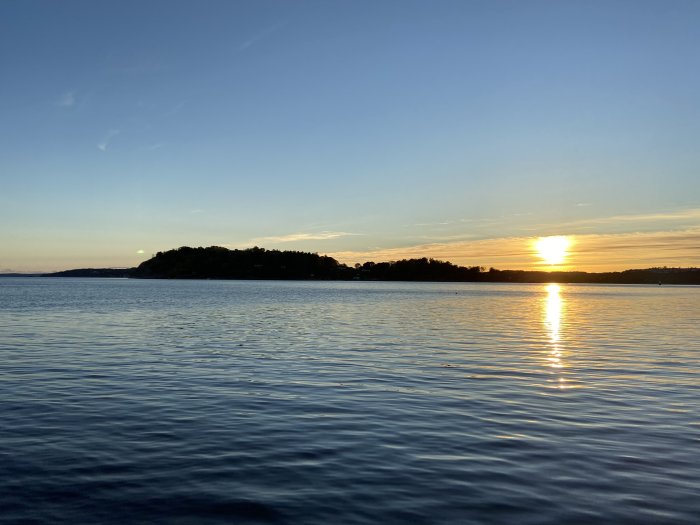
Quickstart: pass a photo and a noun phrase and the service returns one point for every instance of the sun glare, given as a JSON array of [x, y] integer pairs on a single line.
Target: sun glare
[[552, 250]]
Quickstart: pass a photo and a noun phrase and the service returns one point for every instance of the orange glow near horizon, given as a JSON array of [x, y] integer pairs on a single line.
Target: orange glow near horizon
[[589, 252], [552, 250]]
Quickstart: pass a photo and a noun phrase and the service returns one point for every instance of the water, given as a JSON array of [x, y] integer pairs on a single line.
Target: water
[[127, 401]]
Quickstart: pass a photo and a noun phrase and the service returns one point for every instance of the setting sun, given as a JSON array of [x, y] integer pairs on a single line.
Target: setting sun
[[552, 249]]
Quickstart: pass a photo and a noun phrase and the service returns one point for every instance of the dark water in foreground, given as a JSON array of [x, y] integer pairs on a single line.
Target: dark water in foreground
[[127, 401]]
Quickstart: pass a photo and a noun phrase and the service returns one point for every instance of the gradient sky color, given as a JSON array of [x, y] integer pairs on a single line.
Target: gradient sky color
[[368, 130]]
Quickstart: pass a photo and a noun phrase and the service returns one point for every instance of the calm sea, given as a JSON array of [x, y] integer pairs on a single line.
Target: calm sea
[[130, 401]]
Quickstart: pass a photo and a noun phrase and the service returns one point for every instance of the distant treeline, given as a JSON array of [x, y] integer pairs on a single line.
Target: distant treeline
[[648, 276], [93, 272], [258, 263]]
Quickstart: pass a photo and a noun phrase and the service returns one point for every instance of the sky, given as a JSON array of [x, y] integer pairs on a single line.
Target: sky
[[366, 130]]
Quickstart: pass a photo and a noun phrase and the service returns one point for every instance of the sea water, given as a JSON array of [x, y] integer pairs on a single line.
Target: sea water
[[134, 401]]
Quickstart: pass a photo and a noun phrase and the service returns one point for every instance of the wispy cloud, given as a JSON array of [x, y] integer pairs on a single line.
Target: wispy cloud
[[600, 252], [260, 36], [693, 214], [66, 100], [104, 143], [174, 110], [656, 221], [666, 220], [469, 253], [293, 237], [136, 69], [589, 252], [429, 224]]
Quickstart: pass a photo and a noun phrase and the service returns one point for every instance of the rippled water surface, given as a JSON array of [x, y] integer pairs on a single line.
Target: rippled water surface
[[128, 401]]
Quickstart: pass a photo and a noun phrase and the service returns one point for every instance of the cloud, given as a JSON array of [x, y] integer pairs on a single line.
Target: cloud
[[429, 224], [601, 252], [589, 252], [469, 253], [140, 252], [260, 36], [668, 216], [174, 110], [293, 237], [67, 100], [102, 145], [669, 220], [690, 216], [136, 69]]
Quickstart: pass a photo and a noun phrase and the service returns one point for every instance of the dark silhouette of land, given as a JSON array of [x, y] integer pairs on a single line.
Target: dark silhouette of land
[[93, 272], [258, 263]]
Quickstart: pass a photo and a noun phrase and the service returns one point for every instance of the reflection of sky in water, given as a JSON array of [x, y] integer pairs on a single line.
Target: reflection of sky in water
[[553, 312], [246, 387]]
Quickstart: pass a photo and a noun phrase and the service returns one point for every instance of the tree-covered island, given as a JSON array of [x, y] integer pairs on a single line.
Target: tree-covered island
[[258, 263]]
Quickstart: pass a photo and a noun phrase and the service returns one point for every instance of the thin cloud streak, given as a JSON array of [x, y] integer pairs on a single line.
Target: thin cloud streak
[[136, 69], [67, 100], [692, 215], [294, 237], [175, 109], [515, 226], [261, 36], [104, 143]]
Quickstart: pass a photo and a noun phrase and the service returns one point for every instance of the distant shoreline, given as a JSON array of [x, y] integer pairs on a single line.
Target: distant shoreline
[[552, 280], [261, 264]]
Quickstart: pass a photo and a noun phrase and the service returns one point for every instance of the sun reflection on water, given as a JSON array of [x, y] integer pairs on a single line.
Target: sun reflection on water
[[553, 314], [553, 310]]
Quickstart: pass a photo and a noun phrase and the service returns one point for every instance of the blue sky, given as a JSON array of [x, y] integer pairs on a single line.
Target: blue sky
[[366, 130]]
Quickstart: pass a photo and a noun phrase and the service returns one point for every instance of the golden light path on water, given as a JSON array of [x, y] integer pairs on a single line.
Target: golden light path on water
[[553, 312]]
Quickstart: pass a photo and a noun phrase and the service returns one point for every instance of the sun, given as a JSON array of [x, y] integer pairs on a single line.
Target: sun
[[552, 250]]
